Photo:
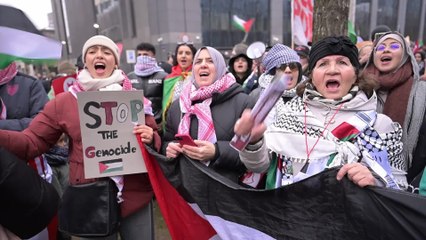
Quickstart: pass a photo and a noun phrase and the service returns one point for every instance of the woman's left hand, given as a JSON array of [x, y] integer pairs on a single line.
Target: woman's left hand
[[146, 133], [358, 174], [204, 152]]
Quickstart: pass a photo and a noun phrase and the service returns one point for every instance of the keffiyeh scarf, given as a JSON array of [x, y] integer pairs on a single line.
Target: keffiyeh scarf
[[351, 141], [201, 109], [146, 66], [6, 75]]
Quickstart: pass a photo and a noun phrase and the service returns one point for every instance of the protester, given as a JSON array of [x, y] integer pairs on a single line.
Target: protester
[[60, 115], [333, 122], [240, 66], [280, 58], [420, 59], [303, 52], [22, 97], [401, 95], [182, 67], [379, 30], [210, 103], [57, 157], [149, 77]]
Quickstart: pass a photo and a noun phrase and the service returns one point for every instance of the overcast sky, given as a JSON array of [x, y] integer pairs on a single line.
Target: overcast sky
[[36, 10]]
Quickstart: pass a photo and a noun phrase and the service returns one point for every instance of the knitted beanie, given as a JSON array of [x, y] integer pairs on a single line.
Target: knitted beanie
[[278, 55], [327, 46], [102, 41]]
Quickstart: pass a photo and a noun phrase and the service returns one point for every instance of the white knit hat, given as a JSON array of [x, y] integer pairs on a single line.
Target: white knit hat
[[102, 41]]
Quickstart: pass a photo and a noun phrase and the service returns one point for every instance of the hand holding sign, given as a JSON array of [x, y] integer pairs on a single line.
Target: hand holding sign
[[110, 147], [263, 106]]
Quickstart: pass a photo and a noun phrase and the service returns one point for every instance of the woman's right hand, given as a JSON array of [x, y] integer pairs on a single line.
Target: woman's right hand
[[245, 125], [173, 150]]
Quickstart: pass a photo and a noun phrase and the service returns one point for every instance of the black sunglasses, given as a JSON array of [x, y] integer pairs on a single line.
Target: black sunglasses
[[292, 66]]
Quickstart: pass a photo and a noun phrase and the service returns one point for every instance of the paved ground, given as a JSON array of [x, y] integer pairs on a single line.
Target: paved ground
[[161, 231]]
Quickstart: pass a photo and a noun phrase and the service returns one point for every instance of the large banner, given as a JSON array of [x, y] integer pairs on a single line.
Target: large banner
[[107, 119], [198, 203], [302, 21]]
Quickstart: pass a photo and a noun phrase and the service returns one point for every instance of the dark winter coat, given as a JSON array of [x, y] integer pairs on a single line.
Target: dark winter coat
[[24, 97], [226, 109], [419, 155], [152, 87], [28, 202]]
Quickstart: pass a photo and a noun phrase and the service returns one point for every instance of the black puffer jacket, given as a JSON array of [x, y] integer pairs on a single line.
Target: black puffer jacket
[[226, 108], [152, 87], [419, 156], [28, 202]]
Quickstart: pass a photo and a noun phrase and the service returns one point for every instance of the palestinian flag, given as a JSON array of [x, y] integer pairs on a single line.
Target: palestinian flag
[[109, 166], [242, 24], [352, 33], [204, 205], [27, 47], [169, 84], [354, 125]]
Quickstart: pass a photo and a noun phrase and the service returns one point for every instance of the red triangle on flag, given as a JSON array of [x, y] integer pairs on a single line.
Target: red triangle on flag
[[182, 221], [102, 167], [248, 24]]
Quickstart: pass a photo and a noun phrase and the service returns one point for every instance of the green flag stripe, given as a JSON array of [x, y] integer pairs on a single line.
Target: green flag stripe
[[6, 59]]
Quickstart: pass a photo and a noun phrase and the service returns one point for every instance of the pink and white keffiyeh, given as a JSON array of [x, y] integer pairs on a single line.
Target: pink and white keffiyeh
[[201, 109]]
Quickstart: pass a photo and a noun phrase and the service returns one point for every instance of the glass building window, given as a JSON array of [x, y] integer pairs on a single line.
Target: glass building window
[[412, 16], [387, 13], [287, 36], [362, 18], [218, 30]]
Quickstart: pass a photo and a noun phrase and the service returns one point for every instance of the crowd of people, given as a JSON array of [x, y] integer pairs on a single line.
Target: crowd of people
[[358, 106]]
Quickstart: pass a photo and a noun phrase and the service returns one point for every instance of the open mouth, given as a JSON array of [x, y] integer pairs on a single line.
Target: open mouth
[[385, 59], [332, 84], [100, 67], [204, 74]]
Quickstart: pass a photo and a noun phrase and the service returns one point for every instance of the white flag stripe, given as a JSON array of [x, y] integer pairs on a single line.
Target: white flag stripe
[[28, 45], [114, 165]]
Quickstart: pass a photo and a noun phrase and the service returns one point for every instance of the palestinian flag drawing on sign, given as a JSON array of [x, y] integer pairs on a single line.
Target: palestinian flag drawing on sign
[[111, 165]]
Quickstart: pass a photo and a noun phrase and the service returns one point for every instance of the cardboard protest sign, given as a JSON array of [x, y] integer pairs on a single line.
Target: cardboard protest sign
[[107, 119]]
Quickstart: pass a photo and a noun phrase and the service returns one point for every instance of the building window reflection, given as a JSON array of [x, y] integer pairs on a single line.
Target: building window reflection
[[387, 13], [412, 19]]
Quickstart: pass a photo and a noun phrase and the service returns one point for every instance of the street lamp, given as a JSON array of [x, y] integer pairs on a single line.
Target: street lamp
[[65, 47], [96, 26]]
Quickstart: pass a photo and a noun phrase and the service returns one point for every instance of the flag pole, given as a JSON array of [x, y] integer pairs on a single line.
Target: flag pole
[[245, 37], [292, 23]]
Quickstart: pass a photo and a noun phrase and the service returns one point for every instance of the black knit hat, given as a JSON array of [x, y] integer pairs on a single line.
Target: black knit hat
[[327, 46]]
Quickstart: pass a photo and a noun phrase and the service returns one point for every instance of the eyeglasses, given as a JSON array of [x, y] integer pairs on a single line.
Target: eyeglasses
[[292, 66], [392, 46]]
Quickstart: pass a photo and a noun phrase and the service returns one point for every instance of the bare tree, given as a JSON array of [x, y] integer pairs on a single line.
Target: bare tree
[[330, 18]]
